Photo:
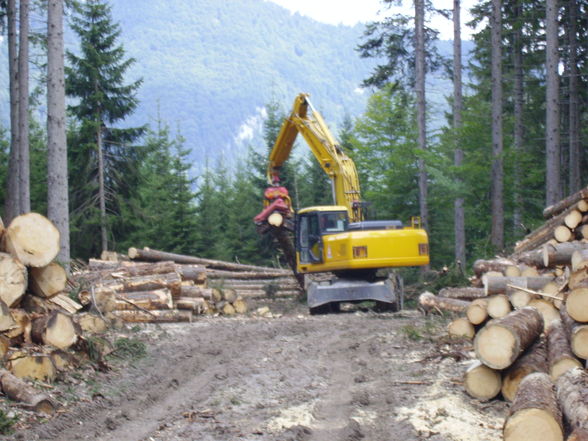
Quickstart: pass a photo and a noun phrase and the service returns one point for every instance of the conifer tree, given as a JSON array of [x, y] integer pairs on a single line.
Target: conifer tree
[[103, 162]]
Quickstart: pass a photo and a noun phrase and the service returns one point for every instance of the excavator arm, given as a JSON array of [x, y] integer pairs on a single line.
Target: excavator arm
[[304, 119]]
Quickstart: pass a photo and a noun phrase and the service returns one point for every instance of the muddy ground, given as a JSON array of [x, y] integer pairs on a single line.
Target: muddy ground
[[293, 377]]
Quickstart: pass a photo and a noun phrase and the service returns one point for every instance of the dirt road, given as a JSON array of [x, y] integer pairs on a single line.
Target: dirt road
[[378, 377]]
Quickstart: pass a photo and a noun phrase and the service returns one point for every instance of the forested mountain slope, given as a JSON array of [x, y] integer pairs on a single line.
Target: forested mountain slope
[[210, 66]]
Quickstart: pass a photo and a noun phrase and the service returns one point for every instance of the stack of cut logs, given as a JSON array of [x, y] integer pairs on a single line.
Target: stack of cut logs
[[156, 286], [38, 321], [529, 324]]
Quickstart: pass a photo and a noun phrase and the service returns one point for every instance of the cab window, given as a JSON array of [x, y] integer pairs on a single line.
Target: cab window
[[333, 222]]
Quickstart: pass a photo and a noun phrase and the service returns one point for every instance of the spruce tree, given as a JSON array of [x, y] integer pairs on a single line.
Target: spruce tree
[[103, 162]]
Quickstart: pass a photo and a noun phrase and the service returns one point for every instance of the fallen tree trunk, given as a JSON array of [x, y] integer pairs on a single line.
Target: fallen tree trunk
[[259, 294], [499, 285], [501, 341], [572, 394], [32, 239], [561, 253], [429, 301], [153, 299], [155, 316], [579, 259], [195, 292], [171, 281], [482, 382], [248, 275], [534, 414], [534, 359], [462, 293], [155, 255], [55, 329], [19, 391], [559, 351], [48, 281], [13, 279], [482, 266]]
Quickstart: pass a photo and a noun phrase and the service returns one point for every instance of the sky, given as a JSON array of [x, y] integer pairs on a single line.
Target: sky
[[350, 12]]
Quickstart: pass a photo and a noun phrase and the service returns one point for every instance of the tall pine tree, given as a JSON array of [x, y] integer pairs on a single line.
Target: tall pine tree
[[103, 162]]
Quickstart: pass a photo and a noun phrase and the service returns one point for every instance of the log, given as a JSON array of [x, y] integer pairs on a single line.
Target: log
[[559, 351], [534, 359], [240, 305], [501, 341], [55, 329], [30, 364], [482, 266], [113, 256], [573, 219], [13, 279], [19, 391], [581, 232], [572, 394], [98, 264], [6, 320], [32, 239], [579, 258], [519, 297], [570, 201], [22, 325], [532, 258], [429, 301], [476, 312], [577, 303], [155, 316], [561, 253], [461, 328], [227, 309], [91, 323], [577, 278], [153, 299], [155, 255], [562, 233], [498, 306], [534, 414], [258, 293], [247, 275], [498, 285], [4, 345], [171, 281], [578, 334], [135, 269], [48, 281], [198, 305], [578, 435], [512, 271], [38, 305], [529, 271], [229, 295], [195, 292], [66, 303], [62, 360], [547, 311], [462, 293], [482, 382], [196, 273]]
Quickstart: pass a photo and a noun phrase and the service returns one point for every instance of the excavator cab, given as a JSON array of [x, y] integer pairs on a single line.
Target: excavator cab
[[314, 223]]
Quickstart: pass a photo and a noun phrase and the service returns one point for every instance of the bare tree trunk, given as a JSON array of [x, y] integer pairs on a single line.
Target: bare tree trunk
[[497, 234], [574, 114], [23, 109], [101, 190], [459, 217], [552, 147], [58, 199], [12, 208], [421, 106], [518, 121]]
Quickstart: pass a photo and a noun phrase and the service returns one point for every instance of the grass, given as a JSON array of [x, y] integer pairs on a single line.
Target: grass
[[130, 348], [7, 423]]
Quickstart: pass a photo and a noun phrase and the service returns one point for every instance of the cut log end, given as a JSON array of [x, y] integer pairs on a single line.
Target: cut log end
[[482, 382], [461, 328], [33, 239], [495, 346], [532, 424]]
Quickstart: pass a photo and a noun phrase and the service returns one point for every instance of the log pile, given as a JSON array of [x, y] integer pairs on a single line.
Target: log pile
[[156, 286], [40, 328], [529, 315]]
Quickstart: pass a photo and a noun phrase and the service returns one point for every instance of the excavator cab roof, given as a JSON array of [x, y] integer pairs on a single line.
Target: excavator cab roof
[[322, 208]]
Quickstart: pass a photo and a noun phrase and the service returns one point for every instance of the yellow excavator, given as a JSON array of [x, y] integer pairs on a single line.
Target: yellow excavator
[[336, 239]]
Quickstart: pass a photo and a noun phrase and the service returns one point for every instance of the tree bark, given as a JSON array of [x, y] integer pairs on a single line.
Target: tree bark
[[574, 94], [499, 285], [534, 414], [19, 391], [559, 351], [532, 360], [155, 316], [477, 312], [578, 334], [197, 305], [497, 232], [13, 279], [462, 293], [482, 382], [57, 179], [421, 103], [572, 394], [561, 253], [30, 364], [6, 320], [23, 109], [518, 97], [501, 341], [152, 300], [482, 266], [12, 206], [552, 141], [459, 216], [564, 204], [32, 239], [171, 281]]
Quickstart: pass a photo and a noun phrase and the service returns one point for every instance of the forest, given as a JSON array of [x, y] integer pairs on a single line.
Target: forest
[[511, 139]]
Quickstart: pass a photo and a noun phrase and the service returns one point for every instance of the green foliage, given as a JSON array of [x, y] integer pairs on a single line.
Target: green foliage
[[130, 348], [7, 423]]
